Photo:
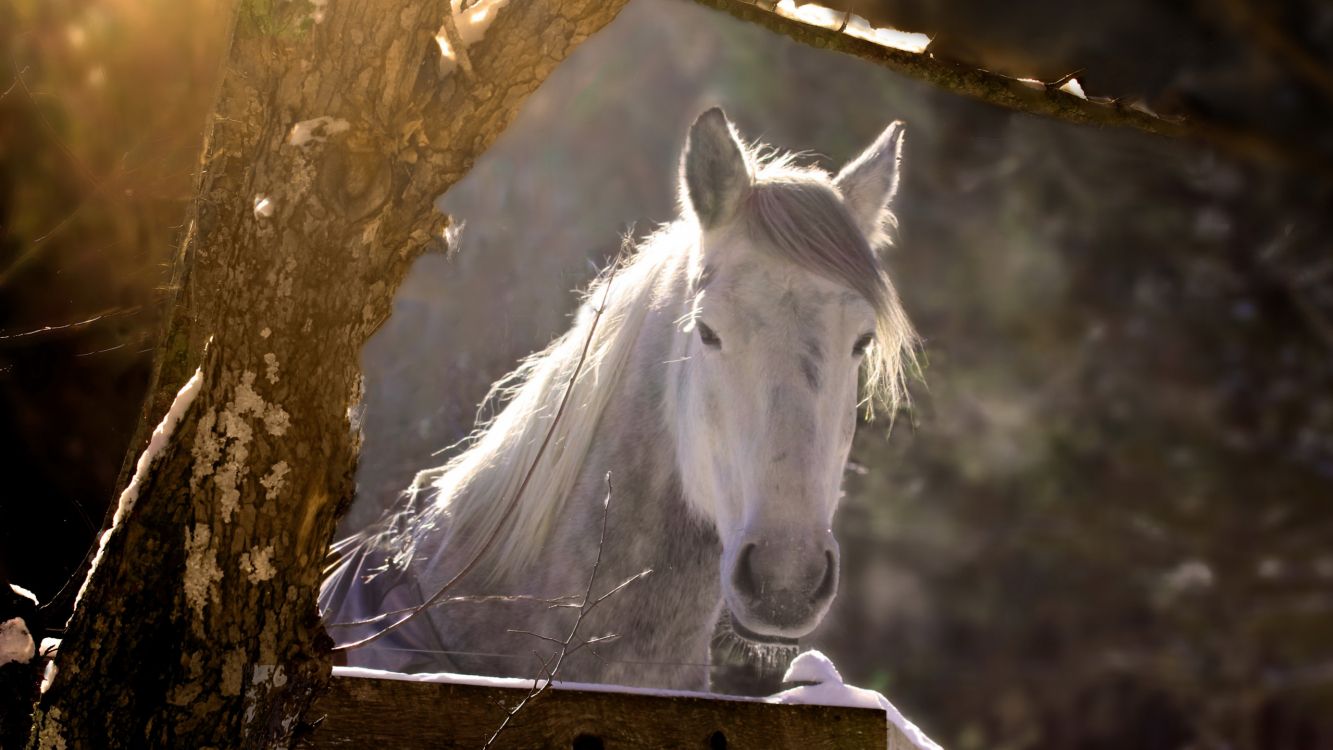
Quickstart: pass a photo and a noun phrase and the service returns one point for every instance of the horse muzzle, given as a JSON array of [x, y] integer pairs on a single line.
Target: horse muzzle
[[780, 589]]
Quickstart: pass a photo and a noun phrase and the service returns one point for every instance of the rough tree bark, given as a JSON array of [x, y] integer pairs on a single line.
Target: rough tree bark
[[198, 626]]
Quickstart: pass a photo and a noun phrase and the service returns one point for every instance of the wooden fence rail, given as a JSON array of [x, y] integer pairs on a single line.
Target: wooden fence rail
[[383, 714]]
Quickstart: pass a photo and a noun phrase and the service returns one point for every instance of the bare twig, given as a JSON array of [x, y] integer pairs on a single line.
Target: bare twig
[[70, 326], [568, 600], [546, 676]]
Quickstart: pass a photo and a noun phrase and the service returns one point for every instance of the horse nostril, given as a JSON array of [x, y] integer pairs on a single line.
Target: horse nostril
[[743, 578], [830, 582]]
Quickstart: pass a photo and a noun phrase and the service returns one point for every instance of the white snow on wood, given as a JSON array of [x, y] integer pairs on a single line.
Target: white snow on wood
[[161, 436], [26, 594], [263, 206], [316, 130], [48, 650], [15, 642], [829, 18], [828, 689], [907, 41], [811, 13], [1072, 86], [48, 676], [811, 667], [522, 683], [472, 25]]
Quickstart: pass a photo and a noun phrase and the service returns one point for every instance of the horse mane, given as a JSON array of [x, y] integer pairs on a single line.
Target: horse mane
[[800, 212], [475, 488]]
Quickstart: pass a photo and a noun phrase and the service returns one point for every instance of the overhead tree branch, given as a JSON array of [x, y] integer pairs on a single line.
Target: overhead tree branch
[[1046, 99]]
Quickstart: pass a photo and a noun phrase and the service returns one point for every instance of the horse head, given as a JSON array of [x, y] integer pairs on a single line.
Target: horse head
[[788, 304]]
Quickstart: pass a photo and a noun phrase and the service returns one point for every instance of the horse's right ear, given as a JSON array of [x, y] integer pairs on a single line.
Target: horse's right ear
[[715, 175]]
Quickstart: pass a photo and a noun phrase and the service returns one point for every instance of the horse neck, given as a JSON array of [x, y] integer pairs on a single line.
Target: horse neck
[[635, 441], [649, 522]]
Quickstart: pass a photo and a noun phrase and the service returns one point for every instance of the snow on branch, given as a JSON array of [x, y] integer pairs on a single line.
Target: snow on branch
[[156, 444], [1063, 99]]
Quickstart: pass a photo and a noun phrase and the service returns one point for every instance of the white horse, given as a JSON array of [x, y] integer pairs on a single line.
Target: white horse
[[717, 382]]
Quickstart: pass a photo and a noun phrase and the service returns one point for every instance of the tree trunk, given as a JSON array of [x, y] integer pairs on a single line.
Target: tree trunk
[[335, 130]]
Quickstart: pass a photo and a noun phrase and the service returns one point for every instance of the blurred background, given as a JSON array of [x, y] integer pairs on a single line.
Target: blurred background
[[1107, 522]]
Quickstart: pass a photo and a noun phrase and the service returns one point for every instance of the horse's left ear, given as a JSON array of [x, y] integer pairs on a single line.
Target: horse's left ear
[[869, 181], [714, 173]]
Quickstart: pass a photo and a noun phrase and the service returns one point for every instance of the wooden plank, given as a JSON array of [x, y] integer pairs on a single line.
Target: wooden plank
[[398, 715]]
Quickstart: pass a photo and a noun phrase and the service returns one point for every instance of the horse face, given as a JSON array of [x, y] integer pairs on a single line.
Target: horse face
[[774, 354], [767, 397]]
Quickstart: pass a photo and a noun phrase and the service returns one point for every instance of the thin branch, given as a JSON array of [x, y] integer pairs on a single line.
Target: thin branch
[[566, 645], [569, 600], [547, 638], [68, 326], [623, 584]]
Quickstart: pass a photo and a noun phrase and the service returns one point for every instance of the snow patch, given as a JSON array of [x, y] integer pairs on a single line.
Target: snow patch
[[828, 689], [201, 570], [48, 676], [264, 206], [48, 650], [257, 564], [316, 130], [16, 642], [526, 683], [472, 25], [26, 594], [829, 18], [1072, 86], [266, 332], [271, 367], [156, 443]]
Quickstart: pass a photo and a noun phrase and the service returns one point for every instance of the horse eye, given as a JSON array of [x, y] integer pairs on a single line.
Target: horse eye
[[707, 335], [861, 344]]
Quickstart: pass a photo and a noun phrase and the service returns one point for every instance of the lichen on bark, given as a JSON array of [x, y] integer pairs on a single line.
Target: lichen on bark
[[199, 628]]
